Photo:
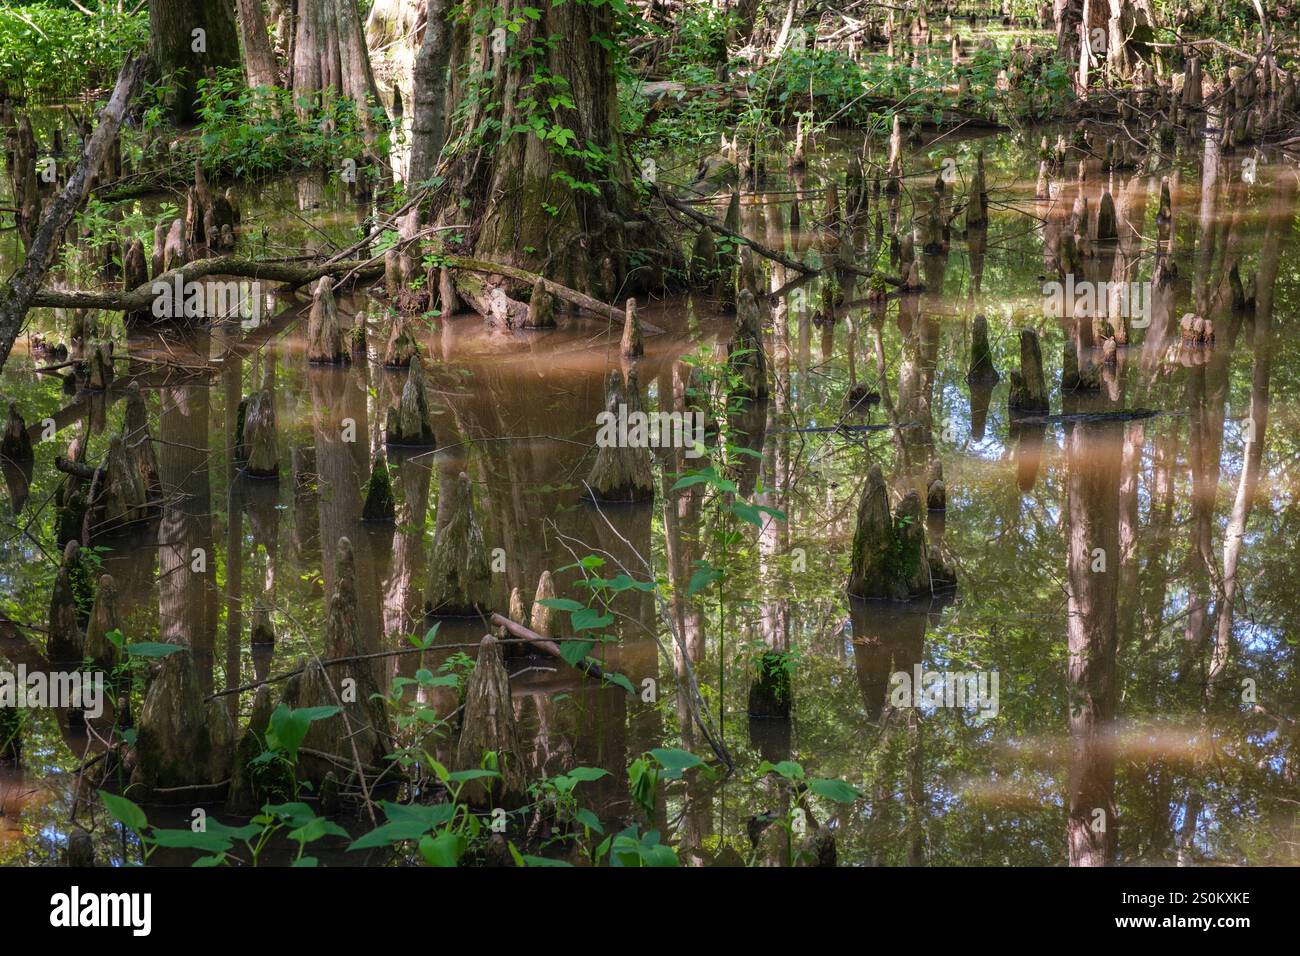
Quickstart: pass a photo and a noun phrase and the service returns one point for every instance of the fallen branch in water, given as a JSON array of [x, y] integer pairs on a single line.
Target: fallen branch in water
[[590, 668], [572, 296], [142, 296], [718, 226]]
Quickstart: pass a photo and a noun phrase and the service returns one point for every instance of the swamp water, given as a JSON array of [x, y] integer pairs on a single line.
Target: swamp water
[[1182, 627]]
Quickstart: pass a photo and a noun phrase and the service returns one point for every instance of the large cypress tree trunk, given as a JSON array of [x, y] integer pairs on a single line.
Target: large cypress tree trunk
[[549, 185], [178, 49]]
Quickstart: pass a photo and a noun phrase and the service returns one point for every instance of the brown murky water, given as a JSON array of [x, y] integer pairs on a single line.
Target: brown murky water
[[1126, 577]]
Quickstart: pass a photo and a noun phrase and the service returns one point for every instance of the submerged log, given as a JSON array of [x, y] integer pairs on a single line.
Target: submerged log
[[621, 471], [16, 446], [325, 344], [410, 422], [460, 574], [489, 727], [981, 371], [379, 505], [1028, 385]]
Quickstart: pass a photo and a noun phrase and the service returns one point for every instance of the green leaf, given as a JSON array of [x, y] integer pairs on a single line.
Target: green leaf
[[543, 861], [836, 790], [675, 761], [613, 677], [590, 619], [190, 840], [587, 774], [124, 811], [445, 849], [316, 828], [705, 574], [477, 773], [575, 651], [289, 727], [786, 768], [562, 604], [149, 649], [387, 834]]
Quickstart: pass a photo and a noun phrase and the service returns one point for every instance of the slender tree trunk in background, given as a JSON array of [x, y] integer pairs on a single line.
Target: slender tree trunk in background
[[260, 67], [178, 48], [429, 123]]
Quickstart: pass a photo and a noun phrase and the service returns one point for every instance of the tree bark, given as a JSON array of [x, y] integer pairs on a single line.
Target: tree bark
[[429, 124], [260, 67], [179, 51]]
